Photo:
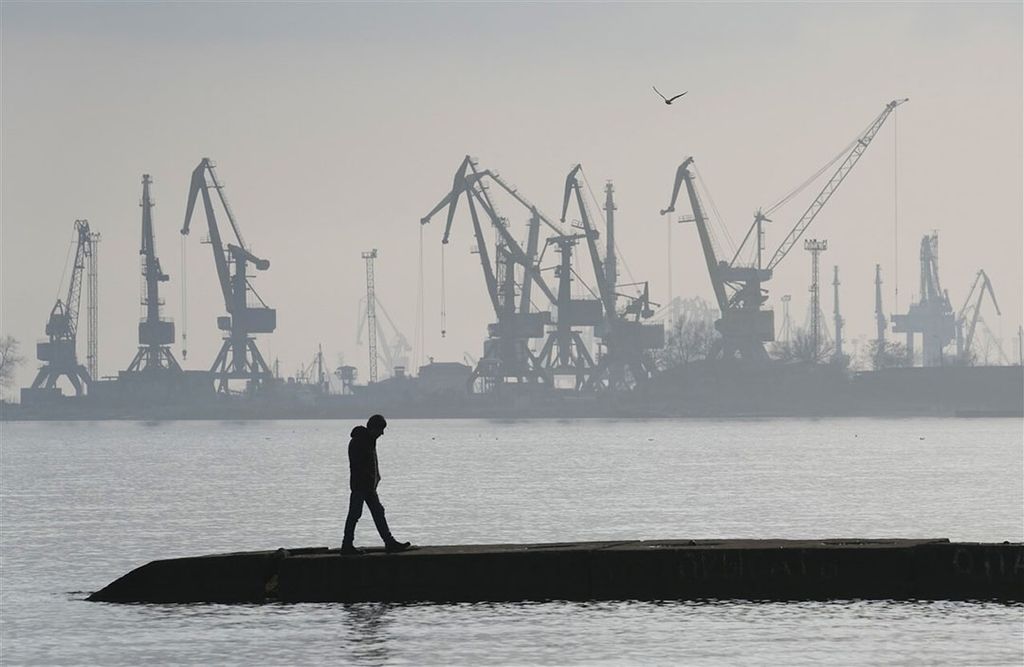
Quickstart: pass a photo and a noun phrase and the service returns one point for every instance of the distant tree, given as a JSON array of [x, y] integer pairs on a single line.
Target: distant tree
[[801, 348], [9, 361], [887, 354], [690, 339]]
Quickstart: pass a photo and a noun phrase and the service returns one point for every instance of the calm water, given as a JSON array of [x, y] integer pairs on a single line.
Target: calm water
[[83, 503]]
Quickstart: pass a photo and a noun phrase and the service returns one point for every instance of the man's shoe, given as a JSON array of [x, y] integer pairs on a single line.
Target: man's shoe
[[349, 550], [395, 547]]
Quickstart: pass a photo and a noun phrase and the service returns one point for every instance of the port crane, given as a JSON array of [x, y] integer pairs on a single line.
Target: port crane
[[932, 316], [239, 358], [737, 285], [507, 355], [970, 315], [58, 352], [624, 362], [155, 333]]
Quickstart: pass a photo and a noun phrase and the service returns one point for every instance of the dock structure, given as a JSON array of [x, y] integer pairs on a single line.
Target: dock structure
[[628, 570]]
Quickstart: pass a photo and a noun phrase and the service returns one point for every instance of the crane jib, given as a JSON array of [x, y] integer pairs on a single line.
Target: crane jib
[[833, 184]]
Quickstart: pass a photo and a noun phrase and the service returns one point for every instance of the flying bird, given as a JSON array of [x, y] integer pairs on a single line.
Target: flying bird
[[669, 100]]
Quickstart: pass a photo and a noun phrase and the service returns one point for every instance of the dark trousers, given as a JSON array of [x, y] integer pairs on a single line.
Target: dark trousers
[[355, 510]]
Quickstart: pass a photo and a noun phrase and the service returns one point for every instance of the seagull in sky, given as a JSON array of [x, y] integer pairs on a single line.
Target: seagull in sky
[[669, 100]]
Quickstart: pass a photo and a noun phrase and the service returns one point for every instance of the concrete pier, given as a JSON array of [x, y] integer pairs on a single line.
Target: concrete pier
[[640, 570]]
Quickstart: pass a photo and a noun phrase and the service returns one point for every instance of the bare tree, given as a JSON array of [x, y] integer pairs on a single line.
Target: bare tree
[[887, 354], [690, 339], [802, 348], [9, 361]]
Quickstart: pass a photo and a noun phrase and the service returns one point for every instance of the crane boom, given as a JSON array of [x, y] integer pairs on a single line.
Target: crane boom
[[469, 184], [604, 290], [860, 145], [74, 299], [514, 192]]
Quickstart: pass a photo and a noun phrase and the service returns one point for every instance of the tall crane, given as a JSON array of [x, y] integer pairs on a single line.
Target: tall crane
[[156, 334], [239, 358], [507, 355], [58, 352], [626, 342], [970, 314], [932, 316], [744, 326]]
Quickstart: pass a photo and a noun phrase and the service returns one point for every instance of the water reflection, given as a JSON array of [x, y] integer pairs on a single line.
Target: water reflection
[[367, 630]]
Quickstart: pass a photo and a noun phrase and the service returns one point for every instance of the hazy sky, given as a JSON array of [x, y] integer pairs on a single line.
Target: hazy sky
[[337, 126]]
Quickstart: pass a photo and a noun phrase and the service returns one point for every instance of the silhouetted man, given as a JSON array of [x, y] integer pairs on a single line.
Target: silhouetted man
[[364, 476]]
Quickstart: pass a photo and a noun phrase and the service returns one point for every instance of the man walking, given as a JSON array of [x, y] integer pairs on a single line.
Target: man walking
[[364, 476]]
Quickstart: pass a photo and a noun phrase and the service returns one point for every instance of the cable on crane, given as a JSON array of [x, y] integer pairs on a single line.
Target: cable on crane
[[625, 264], [64, 272], [721, 222], [803, 186], [581, 281], [419, 326], [895, 210], [444, 308], [184, 299]]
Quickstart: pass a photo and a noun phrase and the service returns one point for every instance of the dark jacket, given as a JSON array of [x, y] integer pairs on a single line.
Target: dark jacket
[[364, 473]]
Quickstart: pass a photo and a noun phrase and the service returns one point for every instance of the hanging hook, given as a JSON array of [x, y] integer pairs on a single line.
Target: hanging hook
[[444, 314]]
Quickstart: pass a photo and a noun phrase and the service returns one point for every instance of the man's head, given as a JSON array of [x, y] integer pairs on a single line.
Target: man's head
[[376, 425]]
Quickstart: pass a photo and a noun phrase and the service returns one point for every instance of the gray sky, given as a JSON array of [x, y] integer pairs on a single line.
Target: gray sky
[[337, 126]]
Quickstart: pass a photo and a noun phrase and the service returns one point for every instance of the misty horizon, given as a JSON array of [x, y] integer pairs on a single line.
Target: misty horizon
[[332, 140]]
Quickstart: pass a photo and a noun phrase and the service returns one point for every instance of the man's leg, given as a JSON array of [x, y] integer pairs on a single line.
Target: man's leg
[[355, 510], [377, 511]]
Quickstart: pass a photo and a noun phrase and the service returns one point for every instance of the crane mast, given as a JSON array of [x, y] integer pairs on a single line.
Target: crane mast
[[838, 318], [239, 358], [879, 314], [155, 334], [611, 260], [371, 312]]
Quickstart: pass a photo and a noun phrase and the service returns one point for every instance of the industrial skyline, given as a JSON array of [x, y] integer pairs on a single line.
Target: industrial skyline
[[331, 144]]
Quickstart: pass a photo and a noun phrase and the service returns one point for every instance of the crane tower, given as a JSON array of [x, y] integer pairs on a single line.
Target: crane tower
[[371, 312], [155, 333], [815, 247], [58, 352], [879, 314], [932, 316]]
